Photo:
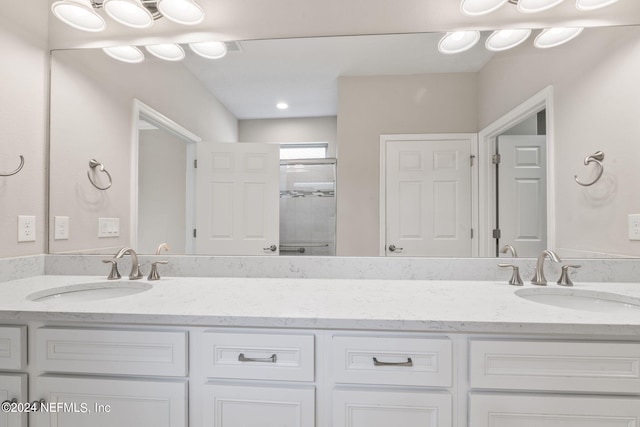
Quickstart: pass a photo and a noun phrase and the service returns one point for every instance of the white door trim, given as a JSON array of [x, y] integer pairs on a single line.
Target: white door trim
[[384, 139], [140, 108], [542, 100]]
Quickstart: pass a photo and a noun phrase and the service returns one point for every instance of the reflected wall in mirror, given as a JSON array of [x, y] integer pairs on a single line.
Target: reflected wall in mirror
[[342, 90]]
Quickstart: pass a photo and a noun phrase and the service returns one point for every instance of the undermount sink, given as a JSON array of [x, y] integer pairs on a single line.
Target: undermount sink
[[580, 299], [90, 291]]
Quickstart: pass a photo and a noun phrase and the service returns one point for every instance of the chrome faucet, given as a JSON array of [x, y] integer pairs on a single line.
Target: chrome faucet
[[135, 265], [538, 277], [509, 248]]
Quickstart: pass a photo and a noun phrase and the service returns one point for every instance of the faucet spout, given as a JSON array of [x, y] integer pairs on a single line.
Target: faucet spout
[[135, 264], [538, 277]]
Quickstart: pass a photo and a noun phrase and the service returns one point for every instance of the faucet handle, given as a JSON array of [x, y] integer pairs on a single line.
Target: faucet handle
[[114, 274], [515, 280], [565, 280], [153, 274]]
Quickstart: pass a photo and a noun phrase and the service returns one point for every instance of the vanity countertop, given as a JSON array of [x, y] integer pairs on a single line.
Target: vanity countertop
[[399, 305]]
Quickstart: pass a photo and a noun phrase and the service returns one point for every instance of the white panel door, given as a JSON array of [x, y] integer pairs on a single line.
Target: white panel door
[[522, 193], [13, 388], [253, 406], [487, 410], [82, 402], [238, 199], [428, 198]]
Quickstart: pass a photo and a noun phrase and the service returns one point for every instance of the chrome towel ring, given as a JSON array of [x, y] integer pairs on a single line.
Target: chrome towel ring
[[93, 164], [597, 158], [17, 170]]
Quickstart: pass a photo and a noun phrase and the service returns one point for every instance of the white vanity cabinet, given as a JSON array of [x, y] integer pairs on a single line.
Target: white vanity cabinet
[[606, 374], [264, 379], [390, 379], [111, 377], [13, 384]]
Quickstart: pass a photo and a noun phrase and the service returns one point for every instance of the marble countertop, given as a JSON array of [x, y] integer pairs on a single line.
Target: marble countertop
[[401, 305]]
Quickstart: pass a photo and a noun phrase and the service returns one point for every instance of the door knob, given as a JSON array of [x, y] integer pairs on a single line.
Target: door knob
[[393, 248], [271, 248]]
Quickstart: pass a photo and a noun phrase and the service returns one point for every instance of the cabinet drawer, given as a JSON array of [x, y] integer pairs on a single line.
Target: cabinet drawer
[[13, 386], [13, 347], [382, 408], [555, 366], [498, 410], [259, 356], [117, 352], [392, 360]]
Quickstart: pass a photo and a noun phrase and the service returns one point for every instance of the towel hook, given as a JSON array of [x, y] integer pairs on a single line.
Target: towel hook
[[93, 164], [17, 170], [597, 158]]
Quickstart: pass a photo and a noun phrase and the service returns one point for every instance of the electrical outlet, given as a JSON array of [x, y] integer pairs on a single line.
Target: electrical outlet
[[634, 227], [108, 227], [26, 228], [61, 228]]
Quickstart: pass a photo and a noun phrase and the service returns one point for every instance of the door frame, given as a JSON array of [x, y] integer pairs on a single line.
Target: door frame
[[487, 137], [384, 139], [157, 118]]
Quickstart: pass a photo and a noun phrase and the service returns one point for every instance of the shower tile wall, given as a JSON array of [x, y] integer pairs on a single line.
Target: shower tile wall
[[307, 209]]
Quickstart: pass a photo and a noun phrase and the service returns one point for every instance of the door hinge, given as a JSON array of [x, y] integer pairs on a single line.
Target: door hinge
[[496, 159], [471, 159], [195, 164], [496, 233], [195, 233], [472, 233]]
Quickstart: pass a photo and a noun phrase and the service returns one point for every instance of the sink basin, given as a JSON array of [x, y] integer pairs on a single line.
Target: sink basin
[[580, 299], [90, 291]]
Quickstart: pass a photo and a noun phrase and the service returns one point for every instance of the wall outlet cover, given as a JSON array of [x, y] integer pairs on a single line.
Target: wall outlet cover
[[26, 228], [634, 227]]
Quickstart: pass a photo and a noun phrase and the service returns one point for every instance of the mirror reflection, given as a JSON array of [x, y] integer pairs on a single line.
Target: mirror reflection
[[365, 99]]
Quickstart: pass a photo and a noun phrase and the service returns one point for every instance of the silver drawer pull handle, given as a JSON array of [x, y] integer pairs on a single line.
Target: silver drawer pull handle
[[272, 359], [376, 362]]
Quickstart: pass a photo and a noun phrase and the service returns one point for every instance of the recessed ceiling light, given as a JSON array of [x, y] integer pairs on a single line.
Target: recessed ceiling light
[[593, 4], [185, 12], [533, 6], [129, 54], [552, 37], [480, 7], [506, 39], [166, 51], [282, 105], [79, 14], [129, 12], [458, 41], [209, 50]]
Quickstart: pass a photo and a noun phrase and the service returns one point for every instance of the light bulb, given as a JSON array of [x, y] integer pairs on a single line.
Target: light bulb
[[458, 41], [552, 37], [166, 51], [533, 6], [506, 39], [78, 14], [593, 4], [480, 7], [209, 50], [186, 12], [129, 12], [129, 54]]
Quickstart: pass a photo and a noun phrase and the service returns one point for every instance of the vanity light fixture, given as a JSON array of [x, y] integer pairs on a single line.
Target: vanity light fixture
[[79, 14], [480, 7], [128, 12], [506, 39], [167, 51], [282, 105], [129, 54], [593, 4], [186, 12], [209, 50], [458, 41], [552, 37], [534, 6]]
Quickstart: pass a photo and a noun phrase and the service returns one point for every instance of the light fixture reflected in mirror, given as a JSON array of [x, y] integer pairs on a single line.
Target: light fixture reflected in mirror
[[186, 12], [128, 12], [167, 51], [506, 39], [79, 14], [534, 6], [209, 50], [282, 106], [480, 7], [129, 54], [458, 41], [593, 4], [552, 37]]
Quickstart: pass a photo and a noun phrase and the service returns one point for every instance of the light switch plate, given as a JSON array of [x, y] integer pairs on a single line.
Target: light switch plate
[[108, 227], [26, 228], [634, 226], [61, 228]]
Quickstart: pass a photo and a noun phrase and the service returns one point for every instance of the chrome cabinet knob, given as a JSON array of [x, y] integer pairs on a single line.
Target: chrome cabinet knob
[[271, 248], [393, 248]]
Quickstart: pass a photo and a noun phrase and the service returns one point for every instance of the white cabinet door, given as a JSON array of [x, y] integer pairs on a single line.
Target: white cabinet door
[[380, 408], [493, 410], [13, 386], [252, 406], [82, 402]]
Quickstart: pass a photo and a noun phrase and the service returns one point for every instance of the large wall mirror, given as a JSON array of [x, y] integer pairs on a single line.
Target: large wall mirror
[[545, 109]]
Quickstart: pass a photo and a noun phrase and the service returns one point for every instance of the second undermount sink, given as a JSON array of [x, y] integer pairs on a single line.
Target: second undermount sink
[[90, 291], [581, 299]]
